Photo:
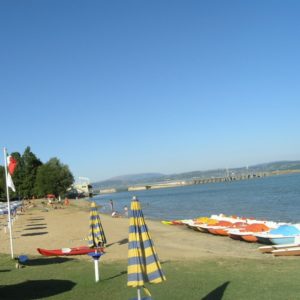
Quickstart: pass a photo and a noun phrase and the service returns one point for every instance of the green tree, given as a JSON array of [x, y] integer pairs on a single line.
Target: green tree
[[53, 178], [27, 173], [2, 183]]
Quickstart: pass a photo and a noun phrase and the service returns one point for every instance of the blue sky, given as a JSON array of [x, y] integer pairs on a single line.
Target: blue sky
[[125, 87]]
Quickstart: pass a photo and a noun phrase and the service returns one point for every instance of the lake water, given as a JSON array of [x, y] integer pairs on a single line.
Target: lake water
[[274, 198]]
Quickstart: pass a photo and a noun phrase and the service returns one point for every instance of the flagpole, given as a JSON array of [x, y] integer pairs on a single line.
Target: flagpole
[[8, 205]]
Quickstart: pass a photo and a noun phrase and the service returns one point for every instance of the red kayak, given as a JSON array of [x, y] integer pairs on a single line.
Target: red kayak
[[68, 251]]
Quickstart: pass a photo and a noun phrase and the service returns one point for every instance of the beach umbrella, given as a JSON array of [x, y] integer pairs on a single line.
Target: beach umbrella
[[96, 237], [143, 262]]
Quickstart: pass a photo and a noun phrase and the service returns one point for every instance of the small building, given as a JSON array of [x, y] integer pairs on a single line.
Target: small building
[[83, 189]]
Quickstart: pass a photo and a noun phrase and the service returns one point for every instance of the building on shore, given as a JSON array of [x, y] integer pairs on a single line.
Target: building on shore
[[107, 191], [83, 188], [137, 188], [161, 185]]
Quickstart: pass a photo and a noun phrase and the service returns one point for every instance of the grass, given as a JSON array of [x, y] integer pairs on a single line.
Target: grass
[[67, 278]]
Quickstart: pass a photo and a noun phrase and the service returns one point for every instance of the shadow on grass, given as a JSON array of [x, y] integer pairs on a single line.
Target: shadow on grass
[[162, 262], [34, 233], [35, 289], [217, 294], [120, 242], [46, 261], [115, 276], [6, 270]]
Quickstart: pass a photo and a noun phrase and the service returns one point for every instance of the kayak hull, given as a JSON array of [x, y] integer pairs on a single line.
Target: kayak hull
[[67, 251]]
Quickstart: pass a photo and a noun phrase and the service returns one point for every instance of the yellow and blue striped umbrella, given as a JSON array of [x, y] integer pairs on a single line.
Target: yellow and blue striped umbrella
[[143, 262], [96, 236]]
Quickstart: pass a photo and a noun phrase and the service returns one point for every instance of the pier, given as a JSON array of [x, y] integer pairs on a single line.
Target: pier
[[193, 181], [229, 178]]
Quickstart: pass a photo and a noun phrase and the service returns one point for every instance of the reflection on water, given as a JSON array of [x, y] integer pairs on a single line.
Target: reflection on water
[[274, 198]]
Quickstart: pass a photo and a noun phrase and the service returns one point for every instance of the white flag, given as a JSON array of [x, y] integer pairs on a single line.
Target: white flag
[[10, 183]]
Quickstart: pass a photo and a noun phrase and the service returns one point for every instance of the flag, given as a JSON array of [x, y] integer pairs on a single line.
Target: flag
[[10, 183], [11, 166]]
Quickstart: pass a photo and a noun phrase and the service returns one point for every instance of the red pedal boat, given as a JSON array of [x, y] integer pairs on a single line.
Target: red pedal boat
[[68, 251]]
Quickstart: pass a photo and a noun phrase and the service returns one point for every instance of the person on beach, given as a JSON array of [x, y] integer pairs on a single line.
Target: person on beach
[[115, 214], [126, 211], [67, 202], [111, 204]]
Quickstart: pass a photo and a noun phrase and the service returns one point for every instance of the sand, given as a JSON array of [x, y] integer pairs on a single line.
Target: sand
[[49, 228]]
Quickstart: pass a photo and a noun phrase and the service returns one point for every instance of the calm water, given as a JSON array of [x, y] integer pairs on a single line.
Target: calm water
[[274, 198]]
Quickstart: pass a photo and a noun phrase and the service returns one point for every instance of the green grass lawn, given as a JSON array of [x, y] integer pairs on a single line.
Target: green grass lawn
[[66, 278]]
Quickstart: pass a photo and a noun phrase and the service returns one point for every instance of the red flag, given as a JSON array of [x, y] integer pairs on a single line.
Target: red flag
[[11, 164]]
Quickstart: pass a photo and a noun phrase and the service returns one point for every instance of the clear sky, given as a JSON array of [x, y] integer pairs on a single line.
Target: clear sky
[[126, 87]]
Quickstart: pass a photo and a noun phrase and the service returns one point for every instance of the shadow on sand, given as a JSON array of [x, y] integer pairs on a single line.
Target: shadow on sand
[[40, 224], [35, 289], [33, 228], [46, 261], [217, 294], [34, 233]]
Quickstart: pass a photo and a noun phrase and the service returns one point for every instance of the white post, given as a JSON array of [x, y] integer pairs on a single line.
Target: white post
[[96, 270], [8, 206], [139, 293]]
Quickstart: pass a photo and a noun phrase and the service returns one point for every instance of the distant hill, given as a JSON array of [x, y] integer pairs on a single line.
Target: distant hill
[[134, 177], [126, 180], [148, 178], [278, 165]]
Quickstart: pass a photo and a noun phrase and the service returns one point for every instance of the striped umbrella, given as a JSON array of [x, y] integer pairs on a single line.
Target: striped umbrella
[[143, 262], [96, 236]]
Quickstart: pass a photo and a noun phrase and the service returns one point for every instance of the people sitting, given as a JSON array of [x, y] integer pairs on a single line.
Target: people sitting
[[115, 214]]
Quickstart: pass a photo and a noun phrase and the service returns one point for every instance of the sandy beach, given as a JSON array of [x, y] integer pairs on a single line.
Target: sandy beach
[[49, 228]]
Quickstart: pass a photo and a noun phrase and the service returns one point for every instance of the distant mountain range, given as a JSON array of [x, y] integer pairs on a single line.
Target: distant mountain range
[[150, 178]]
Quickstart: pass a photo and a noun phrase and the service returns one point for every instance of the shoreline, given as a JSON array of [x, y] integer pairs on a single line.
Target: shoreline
[[49, 228]]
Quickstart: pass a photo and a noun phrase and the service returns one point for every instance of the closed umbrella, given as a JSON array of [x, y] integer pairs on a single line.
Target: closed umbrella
[[96, 236], [143, 262]]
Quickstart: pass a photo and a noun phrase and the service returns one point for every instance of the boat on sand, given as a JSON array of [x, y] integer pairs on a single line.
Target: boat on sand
[[291, 251], [269, 249], [247, 233], [68, 251]]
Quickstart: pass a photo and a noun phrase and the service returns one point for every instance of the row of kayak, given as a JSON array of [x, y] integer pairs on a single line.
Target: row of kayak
[[249, 230]]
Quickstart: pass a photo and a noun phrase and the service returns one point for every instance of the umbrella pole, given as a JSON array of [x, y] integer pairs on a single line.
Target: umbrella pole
[[96, 270], [139, 293]]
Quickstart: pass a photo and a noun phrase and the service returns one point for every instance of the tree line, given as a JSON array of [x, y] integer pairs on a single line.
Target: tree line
[[33, 178]]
